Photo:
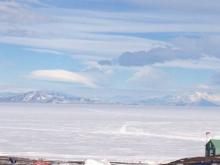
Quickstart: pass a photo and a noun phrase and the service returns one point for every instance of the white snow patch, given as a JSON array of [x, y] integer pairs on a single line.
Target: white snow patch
[[97, 162]]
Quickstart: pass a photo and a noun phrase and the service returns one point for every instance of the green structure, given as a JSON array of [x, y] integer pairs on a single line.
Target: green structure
[[212, 148]]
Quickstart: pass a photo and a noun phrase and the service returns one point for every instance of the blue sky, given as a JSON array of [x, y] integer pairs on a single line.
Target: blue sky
[[97, 48]]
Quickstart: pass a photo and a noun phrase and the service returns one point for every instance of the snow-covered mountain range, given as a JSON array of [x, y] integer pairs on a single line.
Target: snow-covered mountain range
[[42, 97], [195, 99]]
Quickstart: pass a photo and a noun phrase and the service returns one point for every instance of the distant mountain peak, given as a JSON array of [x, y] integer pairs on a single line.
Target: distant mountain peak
[[195, 99], [43, 97]]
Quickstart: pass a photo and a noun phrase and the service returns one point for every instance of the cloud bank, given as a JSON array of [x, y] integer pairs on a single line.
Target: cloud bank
[[96, 32], [183, 49], [62, 76]]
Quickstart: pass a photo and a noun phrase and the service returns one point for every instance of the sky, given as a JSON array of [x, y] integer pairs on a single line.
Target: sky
[[100, 48]]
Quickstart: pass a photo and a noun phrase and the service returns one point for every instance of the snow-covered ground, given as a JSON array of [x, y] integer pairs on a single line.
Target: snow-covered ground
[[112, 132]]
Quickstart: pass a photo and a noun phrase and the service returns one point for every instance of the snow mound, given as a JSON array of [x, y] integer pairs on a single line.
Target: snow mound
[[97, 162]]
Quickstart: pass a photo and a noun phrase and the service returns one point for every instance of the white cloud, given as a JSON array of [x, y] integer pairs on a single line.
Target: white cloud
[[149, 78], [62, 76], [18, 13], [202, 63], [99, 47], [206, 96], [44, 51], [84, 32], [143, 73], [185, 52], [93, 66], [204, 87]]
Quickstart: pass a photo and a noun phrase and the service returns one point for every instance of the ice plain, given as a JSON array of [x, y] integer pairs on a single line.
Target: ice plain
[[112, 132]]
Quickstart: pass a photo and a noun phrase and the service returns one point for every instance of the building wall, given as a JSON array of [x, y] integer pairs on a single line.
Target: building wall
[[210, 149]]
